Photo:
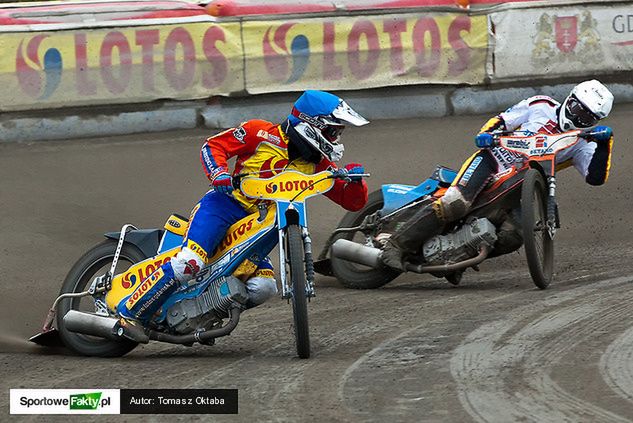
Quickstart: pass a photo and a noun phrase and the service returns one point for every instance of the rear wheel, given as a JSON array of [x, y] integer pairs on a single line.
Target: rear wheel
[[357, 276], [95, 262], [539, 246], [299, 298]]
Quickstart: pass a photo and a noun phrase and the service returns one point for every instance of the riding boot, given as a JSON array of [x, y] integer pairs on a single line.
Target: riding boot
[[147, 298], [407, 239]]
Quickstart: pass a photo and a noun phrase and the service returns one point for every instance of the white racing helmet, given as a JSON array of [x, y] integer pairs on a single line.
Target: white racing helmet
[[319, 118], [587, 103]]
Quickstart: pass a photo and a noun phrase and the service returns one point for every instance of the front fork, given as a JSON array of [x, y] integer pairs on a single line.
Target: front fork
[[553, 222], [286, 289], [309, 263]]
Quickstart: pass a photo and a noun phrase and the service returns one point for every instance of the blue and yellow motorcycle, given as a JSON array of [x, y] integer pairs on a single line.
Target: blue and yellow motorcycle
[[209, 306]]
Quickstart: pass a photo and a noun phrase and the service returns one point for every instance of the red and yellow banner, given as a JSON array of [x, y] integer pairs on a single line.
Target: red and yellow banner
[[364, 51], [197, 60], [119, 65]]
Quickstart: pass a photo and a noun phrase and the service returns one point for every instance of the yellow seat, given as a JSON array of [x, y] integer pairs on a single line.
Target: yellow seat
[[177, 224]]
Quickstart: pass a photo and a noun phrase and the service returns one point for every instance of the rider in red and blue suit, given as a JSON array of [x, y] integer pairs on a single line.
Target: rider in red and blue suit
[[306, 141]]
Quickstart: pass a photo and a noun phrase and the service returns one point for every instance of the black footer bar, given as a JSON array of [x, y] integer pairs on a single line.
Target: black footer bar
[[179, 401]]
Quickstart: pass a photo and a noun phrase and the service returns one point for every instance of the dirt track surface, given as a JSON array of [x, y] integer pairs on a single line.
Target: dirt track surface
[[492, 349]]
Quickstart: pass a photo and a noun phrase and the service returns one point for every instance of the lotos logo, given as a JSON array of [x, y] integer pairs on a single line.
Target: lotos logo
[[276, 54], [144, 287], [289, 186], [138, 274], [271, 188], [540, 142], [198, 250], [236, 234], [29, 68]]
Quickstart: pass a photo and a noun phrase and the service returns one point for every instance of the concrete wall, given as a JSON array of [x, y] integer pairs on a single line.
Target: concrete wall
[[222, 112]]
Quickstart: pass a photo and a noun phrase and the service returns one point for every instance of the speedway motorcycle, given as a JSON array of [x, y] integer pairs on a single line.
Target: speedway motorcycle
[[209, 306], [517, 208]]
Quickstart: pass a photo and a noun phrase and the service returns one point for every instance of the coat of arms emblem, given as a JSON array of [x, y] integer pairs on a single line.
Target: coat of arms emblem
[[566, 38]]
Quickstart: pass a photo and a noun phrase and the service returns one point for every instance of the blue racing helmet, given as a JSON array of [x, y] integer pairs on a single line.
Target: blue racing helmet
[[319, 118]]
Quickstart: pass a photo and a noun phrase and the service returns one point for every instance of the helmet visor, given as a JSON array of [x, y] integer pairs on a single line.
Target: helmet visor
[[332, 133], [580, 115], [345, 113]]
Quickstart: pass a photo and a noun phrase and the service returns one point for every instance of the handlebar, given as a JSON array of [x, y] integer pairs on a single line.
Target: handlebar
[[344, 174], [583, 133], [588, 134]]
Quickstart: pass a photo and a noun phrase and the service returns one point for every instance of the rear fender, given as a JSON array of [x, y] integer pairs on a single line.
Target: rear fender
[[146, 240], [396, 196]]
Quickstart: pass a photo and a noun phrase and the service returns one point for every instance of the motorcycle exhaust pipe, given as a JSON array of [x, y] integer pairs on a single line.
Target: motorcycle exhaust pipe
[[357, 253], [91, 324]]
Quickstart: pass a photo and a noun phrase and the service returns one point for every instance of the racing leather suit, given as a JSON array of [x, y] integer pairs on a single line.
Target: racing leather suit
[[259, 147], [538, 114]]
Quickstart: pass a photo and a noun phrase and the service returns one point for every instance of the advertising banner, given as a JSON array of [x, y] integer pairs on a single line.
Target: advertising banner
[[280, 7], [364, 51], [119, 65], [564, 41]]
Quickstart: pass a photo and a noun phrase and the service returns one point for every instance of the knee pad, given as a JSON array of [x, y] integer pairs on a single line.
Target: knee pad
[[452, 205], [186, 264], [260, 289]]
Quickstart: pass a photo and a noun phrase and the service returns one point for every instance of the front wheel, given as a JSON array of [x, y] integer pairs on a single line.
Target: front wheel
[[299, 298], [356, 276], [95, 262], [539, 246]]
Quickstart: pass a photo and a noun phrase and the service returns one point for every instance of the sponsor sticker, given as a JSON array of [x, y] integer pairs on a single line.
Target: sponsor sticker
[[269, 137], [239, 134], [469, 171], [289, 186], [397, 191], [207, 158], [144, 287], [541, 151], [265, 273], [191, 267], [200, 252], [405, 188], [312, 121], [142, 270], [505, 158], [518, 144]]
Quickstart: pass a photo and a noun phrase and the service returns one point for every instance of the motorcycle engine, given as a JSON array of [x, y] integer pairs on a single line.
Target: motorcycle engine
[[209, 307], [461, 244]]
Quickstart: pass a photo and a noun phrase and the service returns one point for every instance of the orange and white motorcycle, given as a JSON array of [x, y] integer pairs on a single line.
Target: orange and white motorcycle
[[517, 208]]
